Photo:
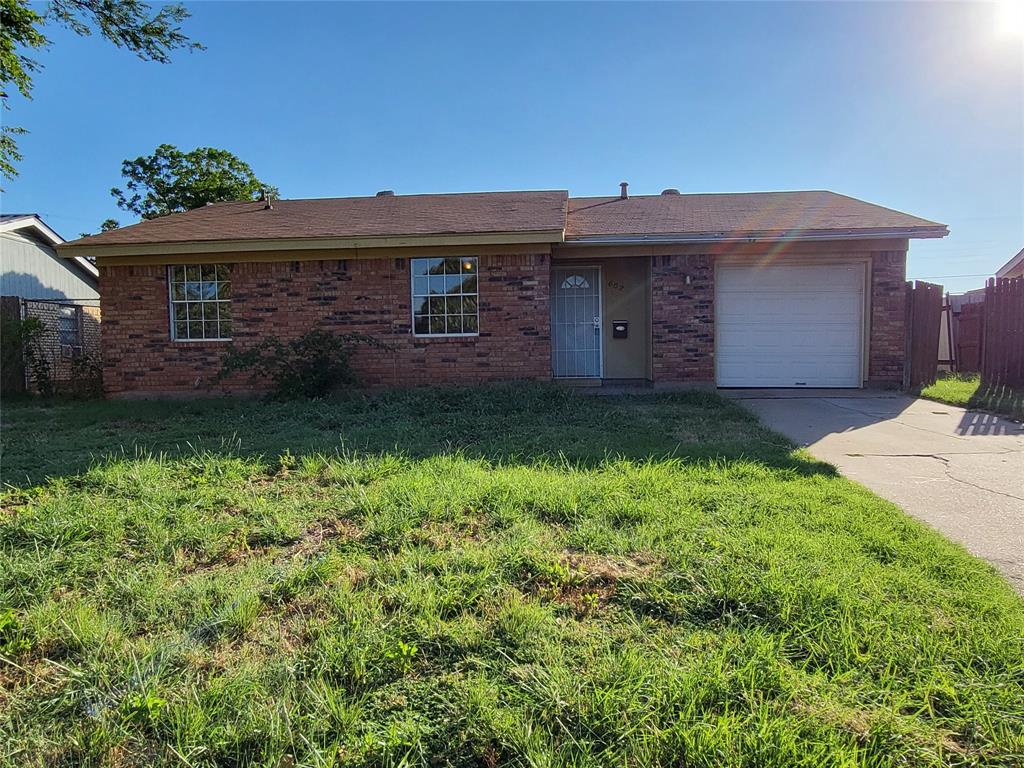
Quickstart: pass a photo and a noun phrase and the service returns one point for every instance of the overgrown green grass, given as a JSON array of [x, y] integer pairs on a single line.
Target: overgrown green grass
[[967, 391], [495, 576]]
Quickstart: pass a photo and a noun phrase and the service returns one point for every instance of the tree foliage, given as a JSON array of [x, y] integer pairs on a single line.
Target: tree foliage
[[169, 181], [129, 24], [19, 30], [106, 226], [150, 34]]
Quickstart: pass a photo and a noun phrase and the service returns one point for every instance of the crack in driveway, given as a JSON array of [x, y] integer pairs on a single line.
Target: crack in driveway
[[946, 468], [935, 455]]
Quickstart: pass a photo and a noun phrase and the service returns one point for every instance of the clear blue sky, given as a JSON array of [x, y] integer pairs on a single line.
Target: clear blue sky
[[915, 106]]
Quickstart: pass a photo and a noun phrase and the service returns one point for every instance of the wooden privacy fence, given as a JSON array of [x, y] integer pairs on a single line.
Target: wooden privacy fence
[[968, 338], [1002, 336], [924, 311]]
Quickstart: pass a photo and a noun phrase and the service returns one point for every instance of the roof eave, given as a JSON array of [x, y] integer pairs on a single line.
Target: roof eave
[[32, 221], [937, 231], [78, 248], [1011, 265]]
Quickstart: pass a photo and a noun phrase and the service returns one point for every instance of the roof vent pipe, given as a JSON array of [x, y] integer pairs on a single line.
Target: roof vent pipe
[[268, 206], [386, 193], [624, 186], [670, 191]]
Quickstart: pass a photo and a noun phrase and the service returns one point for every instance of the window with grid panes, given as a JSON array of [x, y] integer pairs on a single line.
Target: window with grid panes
[[445, 297], [69, 326], [200, 297]]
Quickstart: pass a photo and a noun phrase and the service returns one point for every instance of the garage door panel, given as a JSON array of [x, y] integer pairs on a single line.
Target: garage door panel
[[791, 350], [795, 307], [842, 278], [789, 325], [822, 337]]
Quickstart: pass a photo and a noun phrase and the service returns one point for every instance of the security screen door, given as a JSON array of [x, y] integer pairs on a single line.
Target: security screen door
[[576, 322]]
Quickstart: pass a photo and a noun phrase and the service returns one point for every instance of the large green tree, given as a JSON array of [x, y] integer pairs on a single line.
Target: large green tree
[[170, 180], [150, 34]]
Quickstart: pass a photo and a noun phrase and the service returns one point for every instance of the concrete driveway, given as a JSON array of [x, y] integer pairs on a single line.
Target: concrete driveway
[[959, 471]]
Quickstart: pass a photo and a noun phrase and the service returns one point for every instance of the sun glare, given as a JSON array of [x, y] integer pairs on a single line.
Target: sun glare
[[1010, 17]]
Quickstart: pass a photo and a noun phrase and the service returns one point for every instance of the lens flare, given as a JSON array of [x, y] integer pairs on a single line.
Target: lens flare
[[1010, 17]]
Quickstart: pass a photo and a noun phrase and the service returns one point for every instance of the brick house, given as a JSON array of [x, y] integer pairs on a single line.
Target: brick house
[[777, 289]]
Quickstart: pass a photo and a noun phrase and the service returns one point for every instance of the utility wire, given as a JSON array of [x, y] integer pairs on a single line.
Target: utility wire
[[942, 277]]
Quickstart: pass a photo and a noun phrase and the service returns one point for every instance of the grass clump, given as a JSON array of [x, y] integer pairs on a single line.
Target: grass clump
[[967, 391], [479, 577]]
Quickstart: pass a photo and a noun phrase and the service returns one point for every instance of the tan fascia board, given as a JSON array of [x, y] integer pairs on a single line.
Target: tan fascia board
[[331, 254], [308, 244], [755, 249]]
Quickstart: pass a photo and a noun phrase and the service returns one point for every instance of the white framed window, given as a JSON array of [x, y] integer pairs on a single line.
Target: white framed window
[[445, 297], [69, 326], [200, 302]]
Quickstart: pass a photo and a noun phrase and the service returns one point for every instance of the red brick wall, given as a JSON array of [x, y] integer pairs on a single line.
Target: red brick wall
[[683, 319], [286, 299], [888, 317], [372, 296]]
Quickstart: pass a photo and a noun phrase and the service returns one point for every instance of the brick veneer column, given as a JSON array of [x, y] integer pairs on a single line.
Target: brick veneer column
[[683, 319], [887, 349]]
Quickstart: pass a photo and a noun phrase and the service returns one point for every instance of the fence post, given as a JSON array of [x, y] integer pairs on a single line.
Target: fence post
[[908, 333]]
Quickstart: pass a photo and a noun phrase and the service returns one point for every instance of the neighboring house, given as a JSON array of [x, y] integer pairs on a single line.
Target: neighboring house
[[1014, 267], [63, 293], [775, 289], [30, 267]]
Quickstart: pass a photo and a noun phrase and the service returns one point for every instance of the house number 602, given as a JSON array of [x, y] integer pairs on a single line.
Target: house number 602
[[616, 286]]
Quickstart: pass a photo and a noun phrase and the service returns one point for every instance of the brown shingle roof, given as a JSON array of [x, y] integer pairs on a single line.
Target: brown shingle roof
[[732, 214], [693, 216], [348, 217]]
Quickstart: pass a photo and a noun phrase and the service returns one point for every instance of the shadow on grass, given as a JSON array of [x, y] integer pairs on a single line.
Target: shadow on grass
[[999, 399], [507, 424]]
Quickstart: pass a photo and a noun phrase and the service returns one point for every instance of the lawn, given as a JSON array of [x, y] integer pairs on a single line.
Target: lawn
[[480, 577], [967, 391]]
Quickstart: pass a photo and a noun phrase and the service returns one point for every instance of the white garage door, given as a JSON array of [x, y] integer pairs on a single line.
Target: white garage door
[[789, 325]]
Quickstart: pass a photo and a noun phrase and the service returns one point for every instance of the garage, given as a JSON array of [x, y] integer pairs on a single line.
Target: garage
[[789, 325]]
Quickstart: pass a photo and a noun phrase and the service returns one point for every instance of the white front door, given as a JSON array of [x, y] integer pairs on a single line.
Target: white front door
[[576, 322], [789, 325]]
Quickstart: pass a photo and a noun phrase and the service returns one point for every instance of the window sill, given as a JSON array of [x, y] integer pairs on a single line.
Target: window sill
[[446, 335], [200, 341]]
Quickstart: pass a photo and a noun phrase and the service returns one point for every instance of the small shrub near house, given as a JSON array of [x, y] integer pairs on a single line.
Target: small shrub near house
[[86, 378], [21, 346], [314, 365]]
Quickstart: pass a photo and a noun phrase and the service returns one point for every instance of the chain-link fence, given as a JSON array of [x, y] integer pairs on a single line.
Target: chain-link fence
[[50, 345]]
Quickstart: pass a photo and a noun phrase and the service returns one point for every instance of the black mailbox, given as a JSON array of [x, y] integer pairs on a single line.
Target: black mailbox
[[620, 329]]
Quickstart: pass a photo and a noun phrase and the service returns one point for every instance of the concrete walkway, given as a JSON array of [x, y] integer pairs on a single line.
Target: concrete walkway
[[960, 471]]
